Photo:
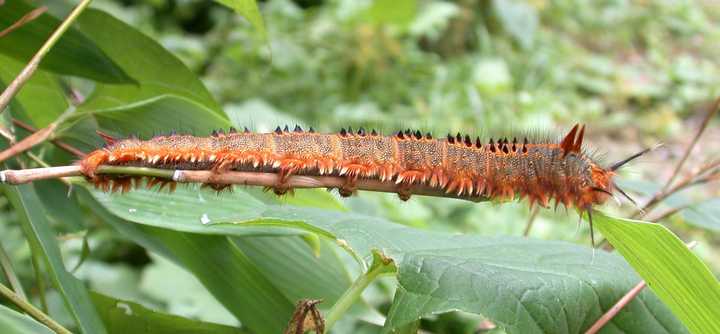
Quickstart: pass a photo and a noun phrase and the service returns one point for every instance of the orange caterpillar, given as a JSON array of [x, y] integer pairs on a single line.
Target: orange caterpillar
[[540, 171]]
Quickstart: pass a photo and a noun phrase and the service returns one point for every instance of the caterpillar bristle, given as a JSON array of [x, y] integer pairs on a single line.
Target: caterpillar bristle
[[456, 164]]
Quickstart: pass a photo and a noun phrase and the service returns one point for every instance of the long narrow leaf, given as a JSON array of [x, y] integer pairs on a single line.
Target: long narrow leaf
[[676, 275], [41, 239]]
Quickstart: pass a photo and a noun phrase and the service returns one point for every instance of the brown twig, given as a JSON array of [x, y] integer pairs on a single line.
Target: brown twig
[[233, 177], [68, 148], [530, 221], [707, 173], [615, 309], [713, 109], [33, 14], [28, 142], [34, 62], [626, 299]]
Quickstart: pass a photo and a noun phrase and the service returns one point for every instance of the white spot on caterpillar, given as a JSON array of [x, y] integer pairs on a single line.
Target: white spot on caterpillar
[[3, 177], [177, 175], [205, 219], [132, 210]]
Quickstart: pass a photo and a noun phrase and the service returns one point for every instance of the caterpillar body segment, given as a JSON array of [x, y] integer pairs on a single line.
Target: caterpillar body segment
[[497, 169]]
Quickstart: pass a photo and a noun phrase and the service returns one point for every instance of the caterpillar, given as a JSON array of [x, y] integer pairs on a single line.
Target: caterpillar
[[538, 170]]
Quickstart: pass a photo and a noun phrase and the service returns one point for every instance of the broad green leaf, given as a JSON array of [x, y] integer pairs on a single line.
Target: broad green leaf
[[275, 256], [156, 71], [122, 316], [220, 265], [705, 214], [42, 239], [233, 279], [74, 54], [520, 284], [671, 270], [160, 209], [151, 117], [13, 322], [249, 10], [290, 264]]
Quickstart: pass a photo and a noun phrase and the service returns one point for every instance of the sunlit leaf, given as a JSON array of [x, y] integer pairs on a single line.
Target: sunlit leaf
[[671, 270], [442, 272]]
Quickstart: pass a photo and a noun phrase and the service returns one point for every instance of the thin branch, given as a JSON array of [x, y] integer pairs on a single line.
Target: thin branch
[[36, 138], [713, 110], [9, 272], [531, 220], [233, 177], [698, 178], [626, 299], [33, 14], [615, 309], [28, 142], [30, 68], [33, 311], [68, 148]]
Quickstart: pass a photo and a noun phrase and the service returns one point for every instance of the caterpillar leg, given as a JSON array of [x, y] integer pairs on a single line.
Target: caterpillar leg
[[404, 192], [349, 188]]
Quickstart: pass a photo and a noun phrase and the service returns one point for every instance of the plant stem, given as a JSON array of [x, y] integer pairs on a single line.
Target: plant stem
[[10, 274], [58, 143], [34, 312], [713, 109], [232, 177], [530, 221], [355, 291], [30, 68]]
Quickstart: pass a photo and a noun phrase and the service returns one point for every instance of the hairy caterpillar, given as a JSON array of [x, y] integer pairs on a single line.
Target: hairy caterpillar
[[540, 171]]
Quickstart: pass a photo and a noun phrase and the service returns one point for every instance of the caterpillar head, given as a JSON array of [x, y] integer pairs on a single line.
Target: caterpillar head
[[603, 184]]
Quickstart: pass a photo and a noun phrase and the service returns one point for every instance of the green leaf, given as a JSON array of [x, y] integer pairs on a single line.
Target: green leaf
[[520, 284], [41, 99], [705, 214], [41, 239], [291, 266], [157, 72], [671, 270], [74, 54], [122, 316], [219, 265], [232, 278], [13, 322], [145, 118], [391, 12], [249, 10], [160, 209], [276, 257]]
